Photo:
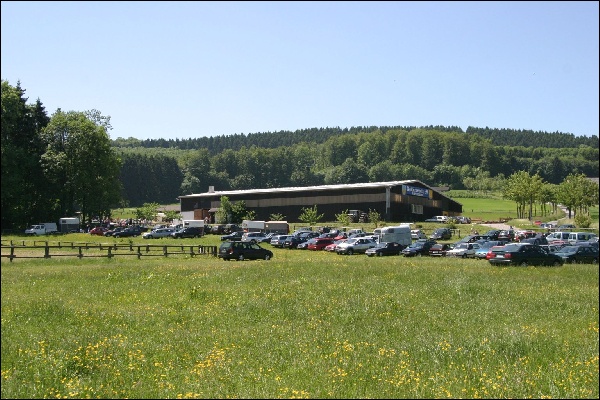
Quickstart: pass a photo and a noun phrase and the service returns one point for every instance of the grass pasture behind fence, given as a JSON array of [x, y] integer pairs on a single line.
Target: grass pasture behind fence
[[302, 325]]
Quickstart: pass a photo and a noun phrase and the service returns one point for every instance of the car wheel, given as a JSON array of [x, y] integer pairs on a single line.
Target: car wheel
[[556, 263], [523, 263], [267, 257], [595, 261], [350, 252], [241, 257], [573, 261], [419, 255], [464, 256], [379, 254]]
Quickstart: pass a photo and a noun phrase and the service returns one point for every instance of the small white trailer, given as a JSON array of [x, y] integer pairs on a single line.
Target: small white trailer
[[399, 234]]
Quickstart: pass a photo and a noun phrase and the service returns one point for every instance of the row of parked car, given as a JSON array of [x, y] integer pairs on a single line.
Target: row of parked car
[[494, 246], [136, 230]]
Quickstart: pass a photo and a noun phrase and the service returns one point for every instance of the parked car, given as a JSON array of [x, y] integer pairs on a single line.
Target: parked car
[[304, 245], [331, 247], [189, 232], [462, 219], [578, 237], [241, 251], [217, 229], [278, 240], [230, 228], [491, 252], [255, 237], [319, 243], [552, 248], [485, 247], [507, 235], [579, 254], [441, 234], [522, 235], [417, 234], [523, 254], [128, 232], [158, 233], [293, 241], [355, 245], [470, 239], [539, 238], [99, 230], [558, 237], [492, 234], [438, 218], [439, 249], [565, 227], [463, 250], [419, 248], [114, 230], [233, 236], [385, 249]]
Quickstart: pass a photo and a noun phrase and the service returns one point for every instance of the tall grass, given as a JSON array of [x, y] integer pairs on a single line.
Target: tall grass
[[303, 325]]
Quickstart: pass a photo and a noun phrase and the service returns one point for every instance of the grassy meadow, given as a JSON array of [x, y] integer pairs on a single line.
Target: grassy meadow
[[302, 325]]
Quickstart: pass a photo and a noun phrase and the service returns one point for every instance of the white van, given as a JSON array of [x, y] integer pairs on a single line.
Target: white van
[[577, 237], [558, 237]]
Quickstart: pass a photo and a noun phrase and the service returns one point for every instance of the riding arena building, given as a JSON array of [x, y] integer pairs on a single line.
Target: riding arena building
[[397, 201]]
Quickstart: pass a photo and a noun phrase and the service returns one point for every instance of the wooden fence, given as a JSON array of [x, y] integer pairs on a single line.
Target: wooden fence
[[39, 249]]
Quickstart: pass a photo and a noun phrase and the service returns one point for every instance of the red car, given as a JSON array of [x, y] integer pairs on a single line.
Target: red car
[[331, 247], [99, 230], [319, 243]]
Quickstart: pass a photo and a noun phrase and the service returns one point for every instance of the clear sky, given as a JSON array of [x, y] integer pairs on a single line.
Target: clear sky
[[179, 70]]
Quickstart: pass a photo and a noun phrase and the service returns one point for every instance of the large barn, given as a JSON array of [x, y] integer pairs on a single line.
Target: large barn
[[397, 201]]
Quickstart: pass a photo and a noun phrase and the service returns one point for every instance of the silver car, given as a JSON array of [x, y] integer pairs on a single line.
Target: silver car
[[158, 233]]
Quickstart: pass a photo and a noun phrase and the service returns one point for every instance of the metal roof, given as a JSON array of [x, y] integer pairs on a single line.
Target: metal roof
[[307, 188]]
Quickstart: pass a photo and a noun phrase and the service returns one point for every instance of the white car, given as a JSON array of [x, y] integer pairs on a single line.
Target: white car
[[416, 234], [464, 250], [355, 245], [256, 237], [158, 233]]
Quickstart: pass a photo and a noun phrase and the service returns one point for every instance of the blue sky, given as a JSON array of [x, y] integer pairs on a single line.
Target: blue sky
[[179, 70]]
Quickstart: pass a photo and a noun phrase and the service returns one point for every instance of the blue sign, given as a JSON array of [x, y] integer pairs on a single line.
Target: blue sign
[[415, 191]]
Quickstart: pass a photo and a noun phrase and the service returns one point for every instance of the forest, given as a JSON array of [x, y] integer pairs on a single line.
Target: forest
[[66, 163], [159, 170]]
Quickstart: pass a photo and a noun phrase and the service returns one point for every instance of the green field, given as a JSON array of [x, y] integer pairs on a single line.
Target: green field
[[303, 325]]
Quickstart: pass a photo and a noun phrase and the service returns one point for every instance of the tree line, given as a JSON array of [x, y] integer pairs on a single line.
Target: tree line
[[65, 164]]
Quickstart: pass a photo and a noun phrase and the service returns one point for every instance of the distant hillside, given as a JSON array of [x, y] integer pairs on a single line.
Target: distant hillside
[[267, 140]]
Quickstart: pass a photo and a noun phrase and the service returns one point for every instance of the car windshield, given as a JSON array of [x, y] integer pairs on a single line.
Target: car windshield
[[462, 246]]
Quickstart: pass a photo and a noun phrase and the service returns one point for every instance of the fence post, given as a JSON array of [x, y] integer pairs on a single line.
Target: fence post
[[192, 251], [46, 251], [109, 255], [139, 252], [165, 251], [12, 252], [80, 255]]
